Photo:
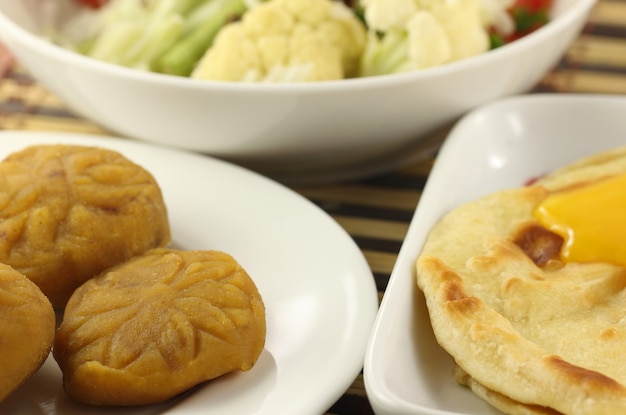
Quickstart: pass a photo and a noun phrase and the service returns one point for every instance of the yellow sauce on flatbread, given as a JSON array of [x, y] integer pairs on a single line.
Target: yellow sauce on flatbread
[[591, 219]]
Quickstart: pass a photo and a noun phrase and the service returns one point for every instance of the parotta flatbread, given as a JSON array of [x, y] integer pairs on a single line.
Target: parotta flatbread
[[530, 334]]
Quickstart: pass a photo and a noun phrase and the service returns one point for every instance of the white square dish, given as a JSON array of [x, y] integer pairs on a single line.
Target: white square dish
[[500, 145]]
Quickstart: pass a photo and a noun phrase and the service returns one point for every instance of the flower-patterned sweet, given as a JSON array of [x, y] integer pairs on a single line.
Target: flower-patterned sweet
[[27, 324], [69, 212], [157, 325]]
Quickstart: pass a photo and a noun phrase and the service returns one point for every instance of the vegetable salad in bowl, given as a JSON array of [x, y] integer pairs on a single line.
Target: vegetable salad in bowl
[[294, 40], [298, 90]]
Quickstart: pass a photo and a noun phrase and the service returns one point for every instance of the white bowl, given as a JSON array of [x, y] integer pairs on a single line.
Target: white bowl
[[353, 127]]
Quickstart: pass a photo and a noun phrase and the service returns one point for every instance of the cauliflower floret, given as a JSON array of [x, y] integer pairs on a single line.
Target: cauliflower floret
[[382, 15], [462, 22], [287, 41], [429, 44], [414, 34]]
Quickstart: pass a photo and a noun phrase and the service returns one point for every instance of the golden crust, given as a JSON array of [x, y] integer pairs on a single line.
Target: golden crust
[[547, 335], [69, 212], [157, 325], [27, 324]]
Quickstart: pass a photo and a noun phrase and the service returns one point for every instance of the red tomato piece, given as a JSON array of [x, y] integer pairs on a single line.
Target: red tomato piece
[[533, 5], [528, 15], [94, 4]]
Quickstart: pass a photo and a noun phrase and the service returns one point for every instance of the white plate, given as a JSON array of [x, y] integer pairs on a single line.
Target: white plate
[[318, 289], [496, 146]]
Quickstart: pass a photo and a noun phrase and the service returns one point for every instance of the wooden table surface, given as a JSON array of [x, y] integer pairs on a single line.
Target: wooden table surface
[[375, 211]]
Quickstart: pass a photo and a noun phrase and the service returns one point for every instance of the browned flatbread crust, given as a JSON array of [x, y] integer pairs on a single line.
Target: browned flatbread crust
[[27, 324], [531, 329], [157, 325], [69, 212]]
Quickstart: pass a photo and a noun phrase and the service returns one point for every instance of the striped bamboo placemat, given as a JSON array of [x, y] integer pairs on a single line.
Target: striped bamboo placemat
[[377, 211]]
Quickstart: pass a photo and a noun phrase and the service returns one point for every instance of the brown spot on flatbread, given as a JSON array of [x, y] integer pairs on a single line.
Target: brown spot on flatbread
[[456, 296], [454, 287], [511, 284], [539, 244], [578, 374], [609, 334], [466, 305]]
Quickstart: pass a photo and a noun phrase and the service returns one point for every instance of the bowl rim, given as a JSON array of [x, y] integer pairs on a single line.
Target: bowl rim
[[56, 52]]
